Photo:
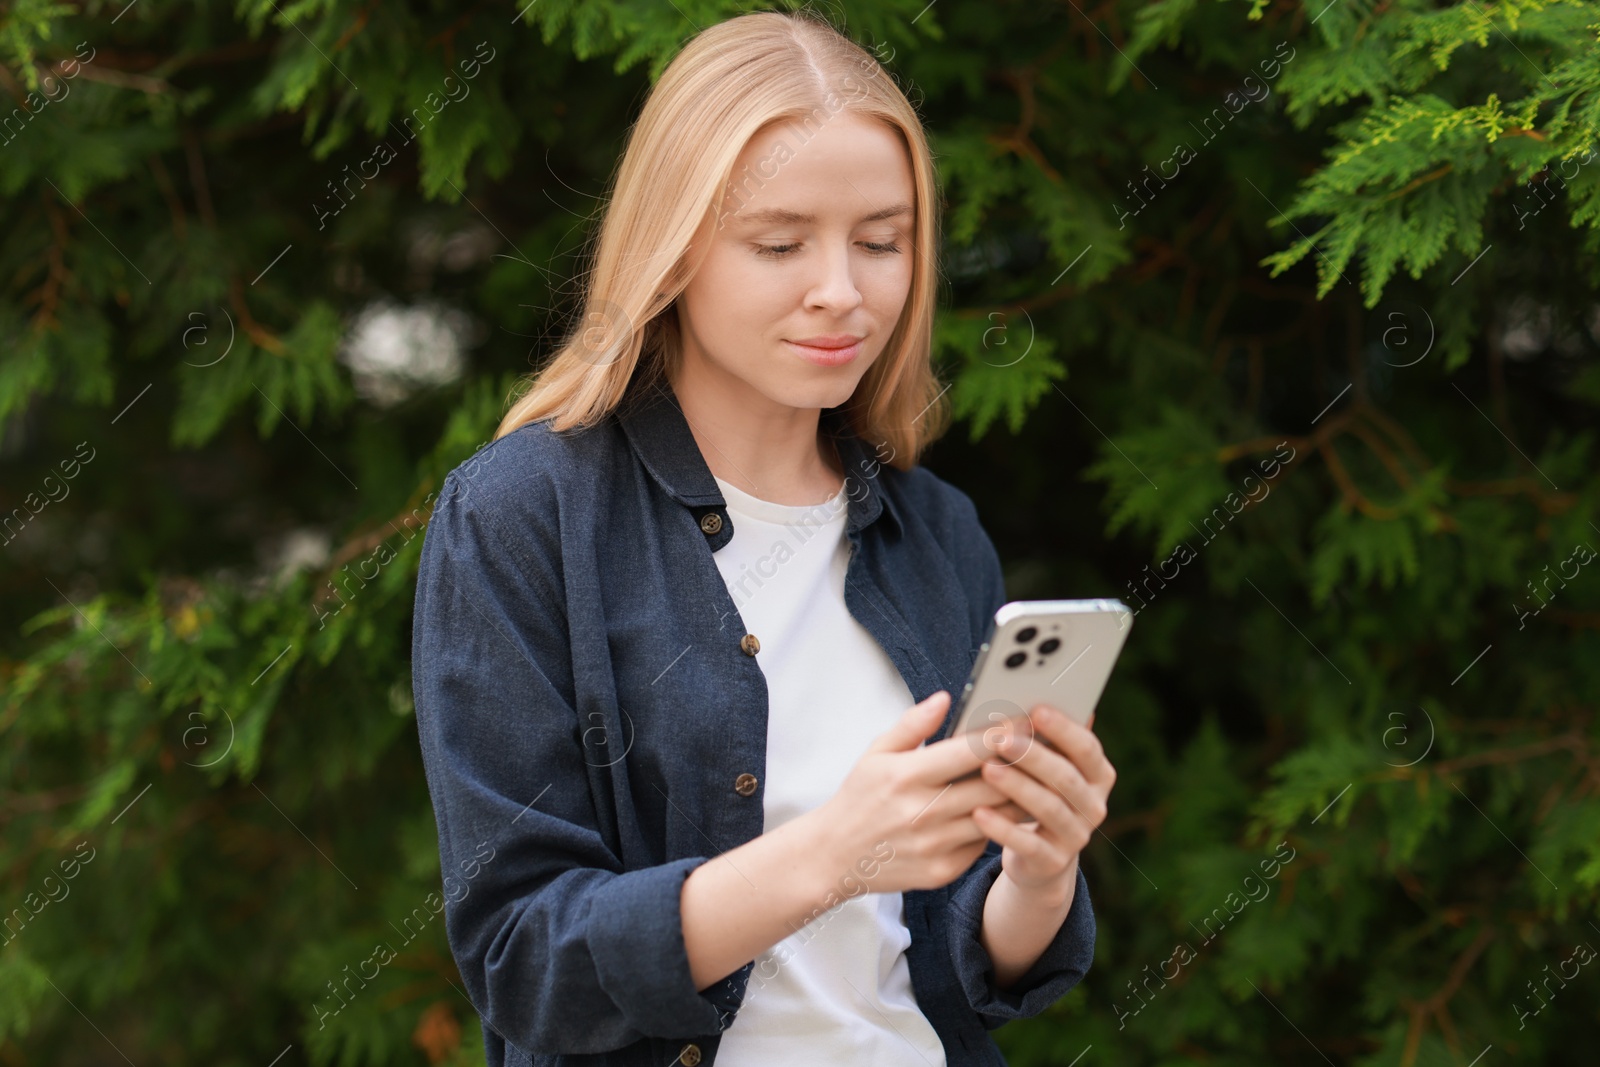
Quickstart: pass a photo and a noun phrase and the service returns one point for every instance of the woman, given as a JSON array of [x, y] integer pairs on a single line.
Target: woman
[[681, 632]]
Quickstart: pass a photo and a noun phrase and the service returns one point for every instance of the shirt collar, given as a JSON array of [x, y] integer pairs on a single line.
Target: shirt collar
[[659, 432]]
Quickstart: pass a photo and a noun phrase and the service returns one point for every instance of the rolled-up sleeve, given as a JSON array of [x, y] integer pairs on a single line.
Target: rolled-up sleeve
[[1063, 964], [562, 950]]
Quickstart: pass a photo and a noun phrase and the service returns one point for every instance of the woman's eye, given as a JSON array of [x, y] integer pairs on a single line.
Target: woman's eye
[[779, 251]]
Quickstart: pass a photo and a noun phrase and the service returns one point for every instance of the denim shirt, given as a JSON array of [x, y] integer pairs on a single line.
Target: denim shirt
[[593, 727]]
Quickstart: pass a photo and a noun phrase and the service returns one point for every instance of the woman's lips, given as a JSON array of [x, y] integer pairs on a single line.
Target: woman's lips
[[826, 357]]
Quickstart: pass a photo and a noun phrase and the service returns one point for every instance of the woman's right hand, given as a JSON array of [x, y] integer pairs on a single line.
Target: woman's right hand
[[902, 801]]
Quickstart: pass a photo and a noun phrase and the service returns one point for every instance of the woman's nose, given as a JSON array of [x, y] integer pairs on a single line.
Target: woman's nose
[[835, 283]]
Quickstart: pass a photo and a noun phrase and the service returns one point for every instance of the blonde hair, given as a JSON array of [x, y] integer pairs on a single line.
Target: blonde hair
[[729, 82]]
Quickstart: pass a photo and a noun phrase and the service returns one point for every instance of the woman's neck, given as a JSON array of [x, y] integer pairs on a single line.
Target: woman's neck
[[770, 451]]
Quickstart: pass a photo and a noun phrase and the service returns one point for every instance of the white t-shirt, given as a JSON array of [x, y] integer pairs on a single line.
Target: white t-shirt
[[837, 990]]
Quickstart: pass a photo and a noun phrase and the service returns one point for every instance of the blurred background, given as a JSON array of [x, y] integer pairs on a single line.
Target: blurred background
[[1279, 321]]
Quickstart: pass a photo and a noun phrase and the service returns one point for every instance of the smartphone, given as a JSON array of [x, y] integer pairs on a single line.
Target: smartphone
[[1055, 652]]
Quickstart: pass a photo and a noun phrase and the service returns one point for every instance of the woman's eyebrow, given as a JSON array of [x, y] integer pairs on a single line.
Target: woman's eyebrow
[[777, 216]]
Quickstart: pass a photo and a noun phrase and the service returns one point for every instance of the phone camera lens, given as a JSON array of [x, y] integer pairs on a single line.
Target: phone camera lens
[[1026, 634], [1049, 645], [1016, 659]]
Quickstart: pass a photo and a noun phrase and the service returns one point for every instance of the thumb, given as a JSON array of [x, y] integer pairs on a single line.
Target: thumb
[[919, 721]]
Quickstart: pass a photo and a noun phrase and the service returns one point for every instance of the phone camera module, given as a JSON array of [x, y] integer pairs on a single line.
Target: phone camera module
[[1049, 645], [1016, 659], [1026, 634]]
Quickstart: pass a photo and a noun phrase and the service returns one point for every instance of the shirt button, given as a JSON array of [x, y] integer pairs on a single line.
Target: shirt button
[[710, 522], [750, 643], [745, 784], [690, 1055]]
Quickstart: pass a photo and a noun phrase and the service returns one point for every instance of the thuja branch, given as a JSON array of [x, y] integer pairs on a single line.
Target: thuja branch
[[1347, 486], [1416, 183], [1435, 1003], [1353, 419], [1574, 742]]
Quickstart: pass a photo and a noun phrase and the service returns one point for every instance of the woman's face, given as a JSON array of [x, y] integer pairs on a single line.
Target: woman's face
[[813, 251]]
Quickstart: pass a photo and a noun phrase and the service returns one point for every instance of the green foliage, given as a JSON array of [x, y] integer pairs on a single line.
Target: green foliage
[[1380, 250]]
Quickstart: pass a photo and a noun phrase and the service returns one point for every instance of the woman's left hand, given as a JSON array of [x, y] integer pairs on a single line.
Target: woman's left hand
[[1064, 788]]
